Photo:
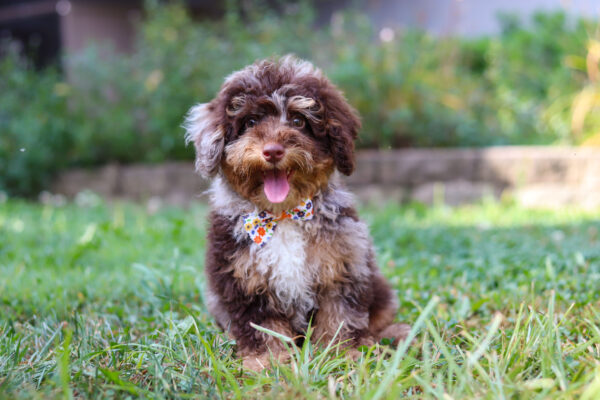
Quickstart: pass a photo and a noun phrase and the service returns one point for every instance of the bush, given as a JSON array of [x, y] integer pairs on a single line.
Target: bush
[[35, 136], [412, 90], [132, 107], [515, 88]]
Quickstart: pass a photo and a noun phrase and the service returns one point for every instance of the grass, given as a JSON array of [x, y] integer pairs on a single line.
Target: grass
[[106, 302]]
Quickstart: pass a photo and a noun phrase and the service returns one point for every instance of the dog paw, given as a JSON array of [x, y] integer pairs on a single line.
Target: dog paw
[[255, 363], [258, 362], [354, 354], [395, 332]]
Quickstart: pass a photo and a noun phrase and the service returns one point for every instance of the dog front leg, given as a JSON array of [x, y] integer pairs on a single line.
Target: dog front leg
[[349, 319], [256, 348]]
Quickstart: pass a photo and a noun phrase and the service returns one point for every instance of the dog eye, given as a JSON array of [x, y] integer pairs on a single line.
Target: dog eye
[[298, 122], [250, 123]]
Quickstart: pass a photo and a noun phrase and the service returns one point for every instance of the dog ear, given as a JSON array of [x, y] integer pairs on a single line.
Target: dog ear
[[203, 129], [342, 126]]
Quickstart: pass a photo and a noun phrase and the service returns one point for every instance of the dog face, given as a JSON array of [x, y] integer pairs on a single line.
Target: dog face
[[276, 131]]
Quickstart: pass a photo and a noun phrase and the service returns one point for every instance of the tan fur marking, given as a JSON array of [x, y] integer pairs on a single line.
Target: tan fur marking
[[243, 165], [331, 315], [307, 107], [340, 249], [254, 281], [236, 105]]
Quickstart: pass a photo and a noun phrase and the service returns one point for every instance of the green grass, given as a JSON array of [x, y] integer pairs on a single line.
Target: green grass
[[106, 301]]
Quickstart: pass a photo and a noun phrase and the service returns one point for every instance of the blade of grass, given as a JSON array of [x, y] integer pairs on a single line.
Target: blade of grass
[[390, 375]]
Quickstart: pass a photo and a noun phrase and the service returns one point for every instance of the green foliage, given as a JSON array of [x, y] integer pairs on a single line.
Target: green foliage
[[515, 88], [139, 102], [585, 120], [106, 302], [412, 90], [531, 80], [34, 126]]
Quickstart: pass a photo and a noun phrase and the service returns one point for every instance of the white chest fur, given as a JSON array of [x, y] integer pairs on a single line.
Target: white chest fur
[[283, 262]]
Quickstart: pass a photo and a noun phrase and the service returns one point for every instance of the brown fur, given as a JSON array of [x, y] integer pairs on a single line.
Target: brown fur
[[340, 284]]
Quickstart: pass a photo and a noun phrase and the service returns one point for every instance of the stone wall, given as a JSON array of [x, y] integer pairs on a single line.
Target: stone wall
[[534, 176]]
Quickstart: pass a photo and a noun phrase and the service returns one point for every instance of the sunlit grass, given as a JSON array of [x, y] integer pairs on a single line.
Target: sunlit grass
[[106, 301]]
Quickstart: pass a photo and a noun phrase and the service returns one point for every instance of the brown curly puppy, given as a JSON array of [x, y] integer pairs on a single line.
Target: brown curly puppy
[[285, 243]]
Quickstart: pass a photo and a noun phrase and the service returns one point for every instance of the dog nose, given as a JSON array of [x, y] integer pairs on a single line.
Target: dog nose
[[273, 152]]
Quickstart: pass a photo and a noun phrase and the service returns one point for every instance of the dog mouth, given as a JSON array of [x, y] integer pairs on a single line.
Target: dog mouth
[[277, 184]]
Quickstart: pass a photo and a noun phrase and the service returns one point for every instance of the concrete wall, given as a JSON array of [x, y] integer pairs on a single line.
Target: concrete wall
[[534, 176]]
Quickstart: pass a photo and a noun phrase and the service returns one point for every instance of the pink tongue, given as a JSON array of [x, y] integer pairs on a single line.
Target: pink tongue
[[276, 186]]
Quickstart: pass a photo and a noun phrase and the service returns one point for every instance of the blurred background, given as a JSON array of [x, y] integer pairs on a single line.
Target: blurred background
[[493, 103], [88, 88]]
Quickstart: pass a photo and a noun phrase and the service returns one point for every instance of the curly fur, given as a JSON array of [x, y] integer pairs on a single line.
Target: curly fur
[[323, 269]]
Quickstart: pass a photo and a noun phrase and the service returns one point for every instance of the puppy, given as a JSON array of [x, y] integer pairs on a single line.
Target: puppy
[[285, 244]]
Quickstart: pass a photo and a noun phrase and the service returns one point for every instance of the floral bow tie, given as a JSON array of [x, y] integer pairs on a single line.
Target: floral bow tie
[[261, 226]]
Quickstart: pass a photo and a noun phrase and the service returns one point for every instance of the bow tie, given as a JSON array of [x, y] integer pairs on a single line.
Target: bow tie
[[261, 225]]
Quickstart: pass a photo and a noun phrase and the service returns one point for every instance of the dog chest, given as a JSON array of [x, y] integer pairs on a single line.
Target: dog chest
[[282, 261]]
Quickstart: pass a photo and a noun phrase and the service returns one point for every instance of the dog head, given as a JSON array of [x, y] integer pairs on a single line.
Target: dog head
[[276, 131]]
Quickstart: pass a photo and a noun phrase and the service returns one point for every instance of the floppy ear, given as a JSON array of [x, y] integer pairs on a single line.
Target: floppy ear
[[208, 136], [342, 126]]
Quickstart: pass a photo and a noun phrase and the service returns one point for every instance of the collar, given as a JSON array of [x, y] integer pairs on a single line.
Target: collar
[[260, 226]]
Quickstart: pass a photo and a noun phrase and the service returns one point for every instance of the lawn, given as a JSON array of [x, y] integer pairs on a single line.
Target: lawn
[[105, 301]]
